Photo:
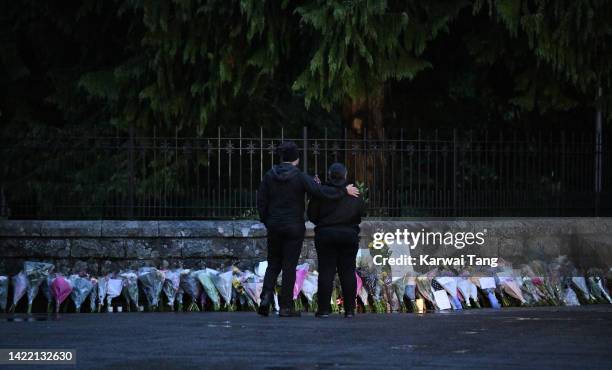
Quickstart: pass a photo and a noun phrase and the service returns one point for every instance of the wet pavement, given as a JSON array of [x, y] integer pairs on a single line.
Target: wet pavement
[[533, 338]]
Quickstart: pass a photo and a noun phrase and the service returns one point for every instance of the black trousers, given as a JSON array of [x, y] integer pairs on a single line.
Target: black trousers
[[336, 250], [284, 248]]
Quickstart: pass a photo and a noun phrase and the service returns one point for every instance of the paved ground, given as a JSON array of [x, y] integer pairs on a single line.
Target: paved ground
[[535, 338]]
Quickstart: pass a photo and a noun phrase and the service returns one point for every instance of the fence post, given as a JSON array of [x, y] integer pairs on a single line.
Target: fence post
[[131, 181], [305, 132], [598, 154], [455, 212]]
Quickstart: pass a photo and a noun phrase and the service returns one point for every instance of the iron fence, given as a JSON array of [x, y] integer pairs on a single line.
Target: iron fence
[[407, 174]]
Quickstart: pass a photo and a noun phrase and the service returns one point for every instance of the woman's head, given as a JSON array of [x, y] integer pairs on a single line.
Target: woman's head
[[336, 174]]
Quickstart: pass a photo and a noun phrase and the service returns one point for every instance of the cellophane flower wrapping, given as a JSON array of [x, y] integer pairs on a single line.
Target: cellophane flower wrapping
[[36, 273], [300, 274], [191, 286], [449, 282], [20, 286], [240, 295], [310, 286], [595, 281], [464, 285], [372, 284], [253, 285], [205, 277], [508, 284], [489, 291], [223, 282], [102, 290], [130, 288], [423, 284], [152, 281], [60, 289], [362, 293], [3, 292], [539, 273], [171, 285], [114, 287], [579, 283], [405, 289], [81, 288], [260, 269]]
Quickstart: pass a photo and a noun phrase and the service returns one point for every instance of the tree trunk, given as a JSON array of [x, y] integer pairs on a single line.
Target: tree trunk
[[363, 119]]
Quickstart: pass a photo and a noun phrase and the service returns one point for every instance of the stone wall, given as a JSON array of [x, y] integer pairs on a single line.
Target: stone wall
[[103, 246]]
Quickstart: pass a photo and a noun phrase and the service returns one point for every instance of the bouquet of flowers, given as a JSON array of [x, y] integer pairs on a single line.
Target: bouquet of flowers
[[392, 304], [423, 285], [3, 293], [171, 286], [189, 284], [579, 284], [102, 290], [405, 289], [60, 289], [114, 287], [93, 296], [508, 285], [595, 282], [81, 288], [130, 288], [253, 285], [487, 285], [310, 288], [449, 282], [440, 295], [538, 272], [20, 285], [224, 284], [205, 277], [469, 291], [152, 282], [300, 275], [36, 273], [240, 294], [372, 284], [362, 294]]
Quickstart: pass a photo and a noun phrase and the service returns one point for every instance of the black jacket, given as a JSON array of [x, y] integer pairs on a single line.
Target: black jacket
[[280, 199], [344, 213]]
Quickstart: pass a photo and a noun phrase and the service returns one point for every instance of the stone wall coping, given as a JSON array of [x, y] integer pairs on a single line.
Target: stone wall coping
[[251, 228]]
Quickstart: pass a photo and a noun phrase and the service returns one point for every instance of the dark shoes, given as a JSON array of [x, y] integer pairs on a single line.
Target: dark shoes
[[267, 299], [349, 314], [289, 312], [322, 314]]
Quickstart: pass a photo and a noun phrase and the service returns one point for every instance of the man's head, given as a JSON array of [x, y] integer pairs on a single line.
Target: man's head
[[288, 152], [336, 174]]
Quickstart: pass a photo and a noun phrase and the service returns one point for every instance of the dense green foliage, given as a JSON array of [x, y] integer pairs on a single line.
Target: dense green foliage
[[190, 64]]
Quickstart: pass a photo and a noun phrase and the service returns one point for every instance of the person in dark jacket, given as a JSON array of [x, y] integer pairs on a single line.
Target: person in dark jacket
[[336, 241], [280, 202]]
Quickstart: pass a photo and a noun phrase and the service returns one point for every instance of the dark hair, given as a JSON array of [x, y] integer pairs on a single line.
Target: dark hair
[[287, 151], [336, 173]]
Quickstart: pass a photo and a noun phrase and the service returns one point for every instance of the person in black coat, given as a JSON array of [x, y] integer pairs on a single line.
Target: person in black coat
[[336, 241], [280, 202]]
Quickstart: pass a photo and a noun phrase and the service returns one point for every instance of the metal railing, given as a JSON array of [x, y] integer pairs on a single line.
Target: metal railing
[[407, 173]]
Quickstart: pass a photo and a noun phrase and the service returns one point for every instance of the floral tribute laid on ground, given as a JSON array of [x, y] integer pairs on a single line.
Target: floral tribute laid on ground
[[150, 289]]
